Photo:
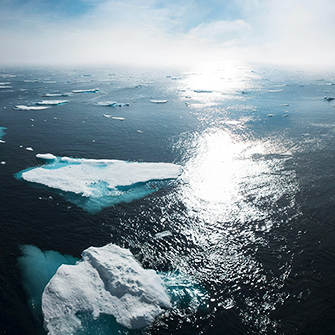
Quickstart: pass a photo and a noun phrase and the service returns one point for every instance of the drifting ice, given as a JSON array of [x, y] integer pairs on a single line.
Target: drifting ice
[[111, 104], [96, 183], [56, 94], [52, 102], [94, 90], [109, 281], [28, 108]]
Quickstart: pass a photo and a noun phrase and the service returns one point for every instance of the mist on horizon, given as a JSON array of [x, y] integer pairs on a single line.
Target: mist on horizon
[[152, 32]]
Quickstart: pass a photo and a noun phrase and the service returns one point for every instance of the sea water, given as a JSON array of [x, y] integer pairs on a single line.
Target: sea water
[[242, 242]]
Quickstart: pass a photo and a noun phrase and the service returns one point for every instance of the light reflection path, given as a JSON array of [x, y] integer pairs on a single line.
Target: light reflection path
[[237, 191]]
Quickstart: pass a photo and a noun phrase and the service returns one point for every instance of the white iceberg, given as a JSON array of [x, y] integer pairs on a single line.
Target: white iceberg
[[114, 117], [56, 94], [111, 104], [28, 108], [158, 101], [109, 281], [97, 183], [52, 102], [93, 90]]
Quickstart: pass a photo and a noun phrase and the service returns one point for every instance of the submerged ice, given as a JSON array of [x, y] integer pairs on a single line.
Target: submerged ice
[[97, 183], [109, 281], [106, 292]]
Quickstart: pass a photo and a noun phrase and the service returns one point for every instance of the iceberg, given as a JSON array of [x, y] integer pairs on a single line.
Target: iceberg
[[93, 184], [108, 280], [111, 104], [28, 108], [93, 90], [52, 102]]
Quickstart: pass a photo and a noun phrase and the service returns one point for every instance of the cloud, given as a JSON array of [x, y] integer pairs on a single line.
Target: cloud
[[166, 32]]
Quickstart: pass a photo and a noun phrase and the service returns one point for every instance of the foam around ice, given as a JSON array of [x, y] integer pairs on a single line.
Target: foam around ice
[[94, 184], [109, 281]]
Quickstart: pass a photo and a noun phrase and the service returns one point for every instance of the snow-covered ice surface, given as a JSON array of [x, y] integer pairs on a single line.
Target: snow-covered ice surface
[[108, 280], [28, 108], [97, 183], [52, 102], [111, 104]]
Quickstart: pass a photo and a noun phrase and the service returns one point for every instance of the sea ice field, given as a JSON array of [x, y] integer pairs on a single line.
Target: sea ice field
[[207, 210]]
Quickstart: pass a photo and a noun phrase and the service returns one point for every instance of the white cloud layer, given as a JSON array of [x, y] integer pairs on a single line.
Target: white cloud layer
[[166, 33]]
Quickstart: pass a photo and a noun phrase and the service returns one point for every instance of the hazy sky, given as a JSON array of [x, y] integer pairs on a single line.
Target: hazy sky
[[166, 31]]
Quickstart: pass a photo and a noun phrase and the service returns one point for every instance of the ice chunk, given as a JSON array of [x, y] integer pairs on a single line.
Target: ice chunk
[[275, 91], [93, 90], [96, 183], [52, 102], [158, 101], [2, 141], [203, 91], [164, 233], [7, 83], [46, 157], [111, 104], [3, 163], [1, 86], [328, 98], [29, 149], [28, 108], [57, 94], [114, 117], [109, 281]]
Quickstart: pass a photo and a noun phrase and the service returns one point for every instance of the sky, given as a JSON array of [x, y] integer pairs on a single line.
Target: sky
[[166, 32]]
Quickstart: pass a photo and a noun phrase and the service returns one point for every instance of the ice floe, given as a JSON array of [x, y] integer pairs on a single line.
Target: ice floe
[[5, 87], [275, 91], [158, 101], [28, 108], [204, 91], [3, 163], [93, 90], [111, 104], [114, 117], [97, 183], [52, 102], [29, 149], [109, 281], [57, 95]]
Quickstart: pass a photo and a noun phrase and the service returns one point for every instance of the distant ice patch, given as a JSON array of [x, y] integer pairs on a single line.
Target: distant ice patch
[[57, 95], [111, 104], [114, 117], [5, 87], [52, 102], [28, 108], [93, 184], [93, 90], [158, 101]]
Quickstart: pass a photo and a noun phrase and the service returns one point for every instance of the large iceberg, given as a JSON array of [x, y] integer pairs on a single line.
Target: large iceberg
[[109, 281], [97, 183]]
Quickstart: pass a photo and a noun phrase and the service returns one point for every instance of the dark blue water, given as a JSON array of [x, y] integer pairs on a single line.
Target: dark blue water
[[254, 224]]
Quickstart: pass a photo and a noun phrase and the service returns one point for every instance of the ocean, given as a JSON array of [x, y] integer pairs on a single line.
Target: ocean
[[242, 238]]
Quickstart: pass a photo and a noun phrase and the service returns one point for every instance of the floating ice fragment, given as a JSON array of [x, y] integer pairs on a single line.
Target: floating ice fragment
[[52, 102], [4, 87], [164, 233], [29, 149], [57, 94], [28, 108], [2, 141], [328, 98], [140, 131], [204, 91], [109, 281], [3, 163], [7, 83], [158, 101], [271, 115], [275, 91], [93, 90], [114, 117], [111, 104], [46, 157], [95, 183]]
